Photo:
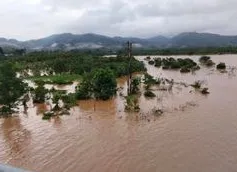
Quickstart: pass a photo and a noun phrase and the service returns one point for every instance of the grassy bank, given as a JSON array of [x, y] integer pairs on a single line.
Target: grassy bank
[[61, 79]]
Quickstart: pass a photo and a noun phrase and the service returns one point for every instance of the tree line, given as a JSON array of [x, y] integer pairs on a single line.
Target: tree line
[[73, 62], [186, 51]]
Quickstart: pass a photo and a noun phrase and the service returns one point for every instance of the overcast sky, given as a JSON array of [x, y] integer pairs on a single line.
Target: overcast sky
[[28, 19]]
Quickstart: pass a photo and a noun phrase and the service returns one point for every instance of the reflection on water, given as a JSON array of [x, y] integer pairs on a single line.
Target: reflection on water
[[196, 133]]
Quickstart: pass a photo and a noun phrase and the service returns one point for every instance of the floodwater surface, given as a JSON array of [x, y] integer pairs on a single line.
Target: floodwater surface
[[196, 133]]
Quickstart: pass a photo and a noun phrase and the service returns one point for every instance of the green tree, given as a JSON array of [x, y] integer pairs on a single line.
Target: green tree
[[104, 84], [84, 90], [12, 88], [60, 66], [99, 84], [39, 93]]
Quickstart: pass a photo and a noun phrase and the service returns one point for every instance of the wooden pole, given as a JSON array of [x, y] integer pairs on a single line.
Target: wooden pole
[[129, 45]]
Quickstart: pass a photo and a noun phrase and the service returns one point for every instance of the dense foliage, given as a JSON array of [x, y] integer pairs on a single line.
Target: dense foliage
[[185, 65], [39, 94], [221, 66], [73, 62], [12, 88], [100, 84], [104, 84], [206, 61]]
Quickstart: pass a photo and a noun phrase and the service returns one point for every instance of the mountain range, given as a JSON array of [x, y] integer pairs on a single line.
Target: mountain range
[[68, 41]]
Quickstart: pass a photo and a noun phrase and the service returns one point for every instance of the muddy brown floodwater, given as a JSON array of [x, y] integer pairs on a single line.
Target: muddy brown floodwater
[[197, 133]]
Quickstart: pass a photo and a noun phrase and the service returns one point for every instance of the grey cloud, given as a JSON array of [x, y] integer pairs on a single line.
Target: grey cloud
[[38, 18], [184, 7]]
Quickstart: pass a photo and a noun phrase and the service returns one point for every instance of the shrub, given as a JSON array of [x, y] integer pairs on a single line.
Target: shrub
[[83, 91], [39, 94], [157, 112], [185, 70], [148, 58], [12, 88], [135, 85], [151, 62], [175, 65], [197, 84], [204, 59], [196, 68], [171, 63], [101, 84], [221, 66], [158, 62], [149, 94], [210, 63], [69, 100], [132, 103], [205, 91], [149, 80], [165, 67], [48, 115]]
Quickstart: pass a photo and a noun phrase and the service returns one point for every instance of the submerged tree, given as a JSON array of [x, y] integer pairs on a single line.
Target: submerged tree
[[84, 90], [100, 84], [104, 84], [12, 88], [206, 61], [39, 93], [221, 66], [135, 85]]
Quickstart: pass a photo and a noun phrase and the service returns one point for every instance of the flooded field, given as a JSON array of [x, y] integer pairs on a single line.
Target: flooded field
[[196, 132]]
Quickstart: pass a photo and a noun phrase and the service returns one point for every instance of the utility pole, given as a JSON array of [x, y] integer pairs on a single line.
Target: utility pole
[[129, 47]]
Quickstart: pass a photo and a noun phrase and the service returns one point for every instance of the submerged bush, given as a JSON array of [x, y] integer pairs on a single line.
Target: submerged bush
[[158, 62], [148, 58], [149, 80], [157, 112], [206, 60], [149, 94], [196, 68], [69, 100], [48, 115], [132, 103], [100, 84], [135, 85], [39, 94], [185, 70], [84, 90], [221, 66], [151, 62], [210, 63], [197, 84], [165, 67], [205, 91], [186, 64]]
